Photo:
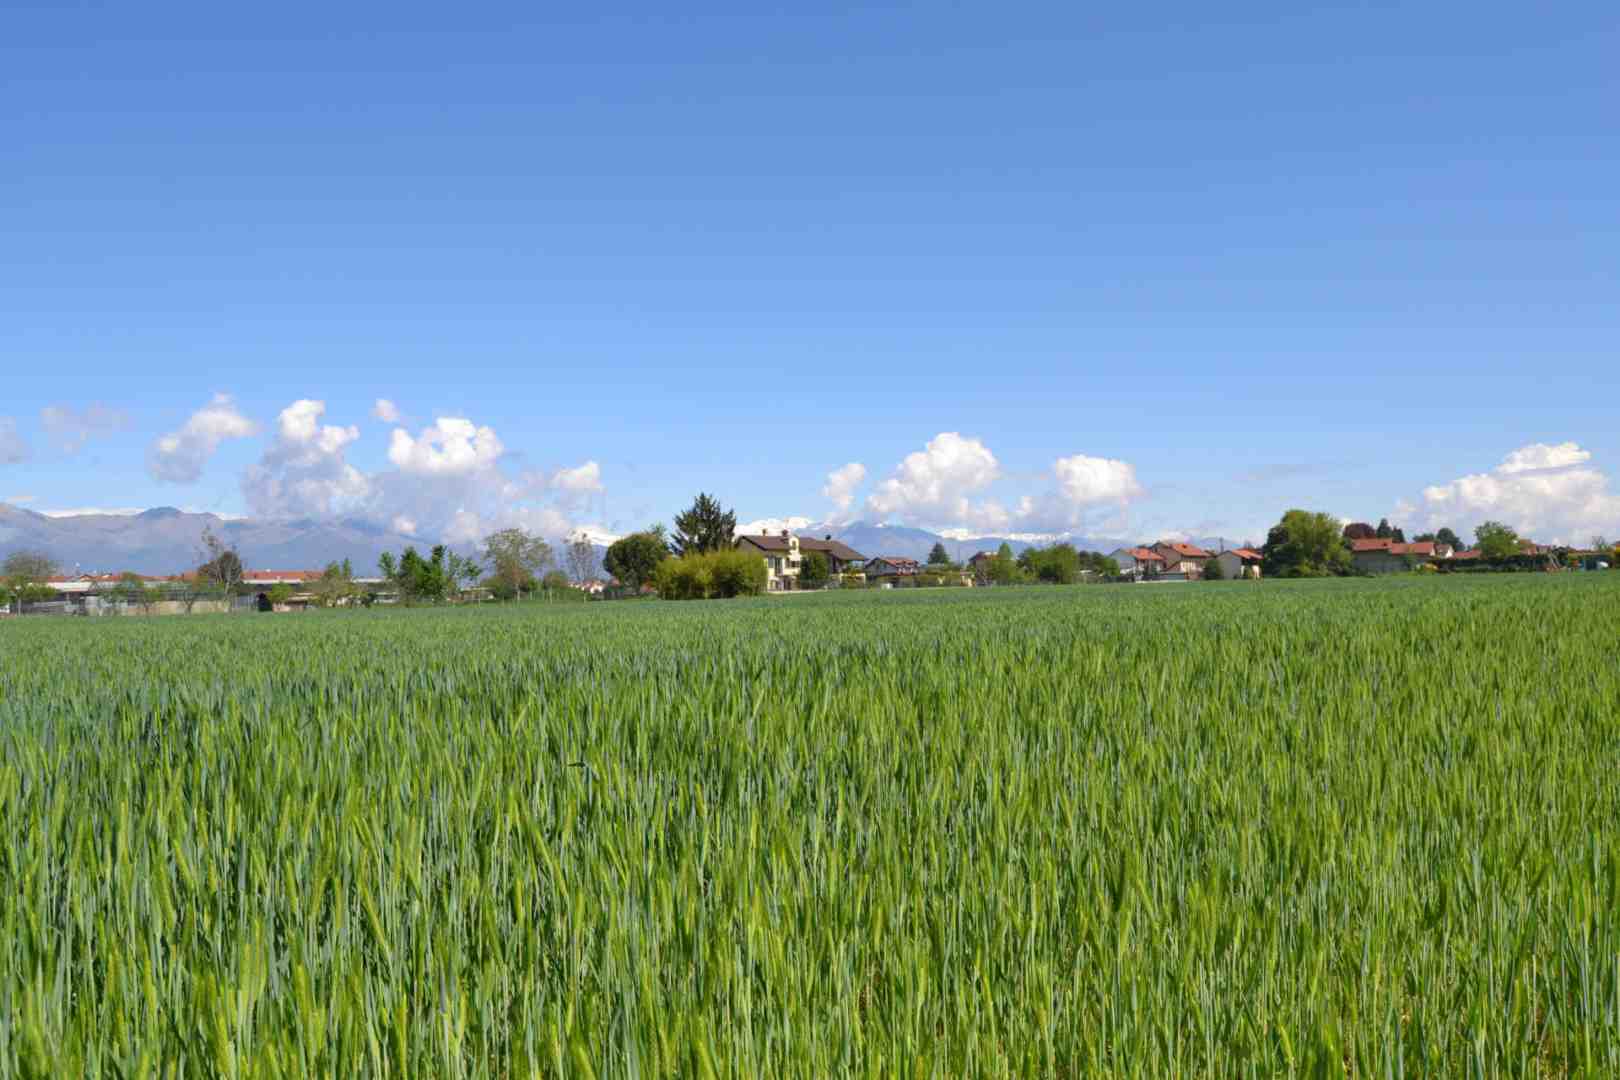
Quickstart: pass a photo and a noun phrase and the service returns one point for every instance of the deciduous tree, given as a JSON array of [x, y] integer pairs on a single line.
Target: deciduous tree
[[1496, 541], [516, 560], [633, 559], [1306, 544], [813, 570], [581, 556]]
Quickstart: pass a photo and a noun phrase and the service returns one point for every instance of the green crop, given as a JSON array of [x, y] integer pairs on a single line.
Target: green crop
[[1316, 828]]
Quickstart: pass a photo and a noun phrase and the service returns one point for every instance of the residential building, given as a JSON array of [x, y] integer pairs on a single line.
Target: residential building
[[1379, 556], [784, 556], [1238, 563], [1186, 560], [891, 567], [1138, 562]]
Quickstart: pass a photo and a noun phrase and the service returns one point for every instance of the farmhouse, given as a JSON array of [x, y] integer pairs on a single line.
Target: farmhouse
[[1137, 563], [784, 556], [891, 567], [1186, 560], [1379, 556], [1239, 563]]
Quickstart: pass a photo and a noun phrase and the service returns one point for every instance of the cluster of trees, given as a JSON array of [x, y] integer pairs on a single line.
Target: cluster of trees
[[1307, 544], [440, 576], [24, 577], [697, 561]]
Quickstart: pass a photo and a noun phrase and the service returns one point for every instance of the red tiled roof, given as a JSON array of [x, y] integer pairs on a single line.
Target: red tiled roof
[[1142, 554], [1191, 551], [836, 548], [1420, 548], [1247, 554]]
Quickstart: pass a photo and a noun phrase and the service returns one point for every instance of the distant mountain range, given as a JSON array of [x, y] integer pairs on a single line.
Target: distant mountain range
[[166, 541]]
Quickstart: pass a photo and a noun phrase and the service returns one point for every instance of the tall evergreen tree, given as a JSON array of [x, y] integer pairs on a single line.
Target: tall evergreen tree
[[938, 556], [706, 526]]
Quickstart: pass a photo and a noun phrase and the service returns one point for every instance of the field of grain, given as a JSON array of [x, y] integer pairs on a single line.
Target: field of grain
[[1363, 828]]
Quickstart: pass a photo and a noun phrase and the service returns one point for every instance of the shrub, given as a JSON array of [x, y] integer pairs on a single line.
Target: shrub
[[717, 574]]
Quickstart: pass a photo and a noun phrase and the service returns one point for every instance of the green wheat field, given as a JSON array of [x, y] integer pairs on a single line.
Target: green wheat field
[[1346, 828]]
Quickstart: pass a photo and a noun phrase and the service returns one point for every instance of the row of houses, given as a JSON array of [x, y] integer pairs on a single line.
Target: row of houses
[[1173, 560]]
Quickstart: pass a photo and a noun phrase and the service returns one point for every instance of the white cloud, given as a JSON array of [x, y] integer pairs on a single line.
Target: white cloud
[[179, 456], [933, 484], [1542, 456], [581, 480], [596, 534], [387, 411], [1539, 490], [305, 473], [19, 500], [12, 447], [841, 485], [70, 429], [451, 446], [94, 511], [403, 524], [931, 488], [1084, 481], [763, 526]]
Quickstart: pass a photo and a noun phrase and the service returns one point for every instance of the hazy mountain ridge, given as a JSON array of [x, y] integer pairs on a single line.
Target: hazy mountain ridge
[[167, 541], [164, 540]]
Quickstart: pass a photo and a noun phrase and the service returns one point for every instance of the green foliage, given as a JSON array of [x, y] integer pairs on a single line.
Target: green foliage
[[633, 559], [432, 579], [1496, 541], [1058, 564], [25, 568], [1305, 544], [1004, 569], [1446, 536], [1037, 832], [938, 556], [279, 594], [704, 527], [133, 590], [1213, 571], [516, 559], [813, 570], [221, 568], [715, 575]]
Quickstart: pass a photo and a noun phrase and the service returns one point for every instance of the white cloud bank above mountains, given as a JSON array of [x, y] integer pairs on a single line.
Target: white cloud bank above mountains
[[935, 487], [179, 456], [449, 480], [1548, 492]]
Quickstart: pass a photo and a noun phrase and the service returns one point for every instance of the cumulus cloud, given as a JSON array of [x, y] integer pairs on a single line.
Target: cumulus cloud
[[387, 411], [841, 485], [1086, 481], [70, 429], [12, 447], [403, 524], [1542, 491], [933, 487], [450, 446], [764, 526], [305, 472], [933, 484], [179, 456], [1542, 456], [581, 480]]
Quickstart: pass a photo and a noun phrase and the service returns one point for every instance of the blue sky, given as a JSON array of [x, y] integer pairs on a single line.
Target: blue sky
[[1033, 267]]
